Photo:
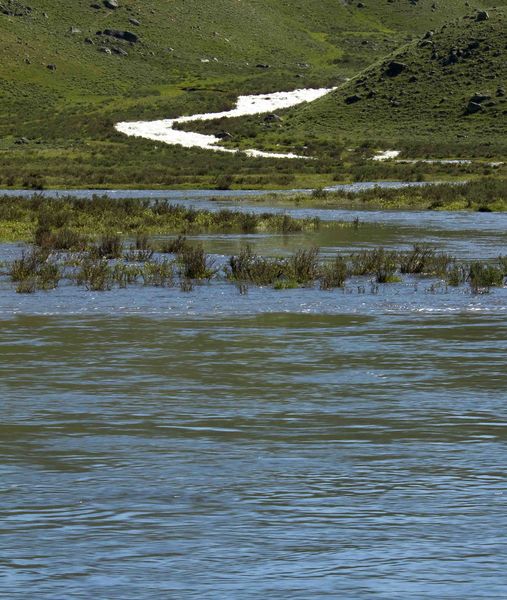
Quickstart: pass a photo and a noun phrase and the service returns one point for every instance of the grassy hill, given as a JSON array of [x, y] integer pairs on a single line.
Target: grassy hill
[[69, 72], [449, 87]]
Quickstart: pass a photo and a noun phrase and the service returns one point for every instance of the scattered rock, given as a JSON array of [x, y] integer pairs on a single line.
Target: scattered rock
[[223, 135], [482, 15], [472, 108], [105, 50], [478, 98], [51, 67], [127, 36], [273, 118], [352, 99], [111, 4], [262, 66], [89, 41], [500, 92], [22, 140], [120, 51], [74, 30], [135, 22], [395, 68]]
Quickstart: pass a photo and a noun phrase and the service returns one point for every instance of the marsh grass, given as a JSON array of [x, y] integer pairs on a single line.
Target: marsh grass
[[248, 267], [334, 274], [158, 274], [195, 263], [482, 277], [35, 270], [41, 269], [303, 266], [424, 259], [96, 275]]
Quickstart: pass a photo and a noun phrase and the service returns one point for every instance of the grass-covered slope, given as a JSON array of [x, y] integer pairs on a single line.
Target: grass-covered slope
[[447, 88], [67, 74]]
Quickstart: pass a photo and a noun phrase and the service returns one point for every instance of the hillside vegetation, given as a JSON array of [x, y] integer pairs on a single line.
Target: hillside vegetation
[[69, 72]]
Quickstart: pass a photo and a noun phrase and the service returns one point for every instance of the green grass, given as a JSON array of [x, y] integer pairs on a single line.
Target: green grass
[[67, 115]]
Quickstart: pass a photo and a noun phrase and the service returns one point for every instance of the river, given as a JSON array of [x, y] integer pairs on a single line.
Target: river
[[285, 444]]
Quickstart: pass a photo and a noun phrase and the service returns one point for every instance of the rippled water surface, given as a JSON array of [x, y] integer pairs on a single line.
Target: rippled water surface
[[281, 444]]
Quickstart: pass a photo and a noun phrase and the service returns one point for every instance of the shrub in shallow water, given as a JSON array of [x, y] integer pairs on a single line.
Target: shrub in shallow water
[[502, 261], [158, 274], [482, 277], [456, 275], [95, 275], [195, 263], [175, 246], [109, 246], [35, 270], [333, 275], [248, 267], [304, 266]]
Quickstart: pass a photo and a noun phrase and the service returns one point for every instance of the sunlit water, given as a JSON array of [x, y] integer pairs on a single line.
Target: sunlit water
[[279, 444]]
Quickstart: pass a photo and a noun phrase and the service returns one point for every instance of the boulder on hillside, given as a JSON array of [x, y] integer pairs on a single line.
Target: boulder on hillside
[[395, 68], [482, 15], [273, 118], [352, 99], [478, 98], [473, 108], [127, 36], [111, 4]]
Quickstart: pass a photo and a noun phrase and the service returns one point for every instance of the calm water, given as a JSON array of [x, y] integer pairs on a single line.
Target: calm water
[[295, 444]]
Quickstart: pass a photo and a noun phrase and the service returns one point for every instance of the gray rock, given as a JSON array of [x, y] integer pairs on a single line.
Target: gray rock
[[111, 4], [120, 51], [262, 66], [472, 108], [478, 98], [135, 22], [51, 67], [395, 68], [89, 41], [105, 50], [482, 15], [22, 140], [74, 30], [273, 118], [127, 36], [223, 135], [500, 92], [352, 99]]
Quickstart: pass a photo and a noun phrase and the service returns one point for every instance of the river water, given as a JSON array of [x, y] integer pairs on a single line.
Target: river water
[[279, 444]]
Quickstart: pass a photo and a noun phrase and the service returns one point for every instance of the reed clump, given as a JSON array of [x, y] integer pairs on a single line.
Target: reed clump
[[334, 274], [423, 259], [195, 263], [248, 267], [35, 270], [482, 277]]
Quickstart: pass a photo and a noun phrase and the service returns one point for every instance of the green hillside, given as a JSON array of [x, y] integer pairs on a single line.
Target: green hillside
[[68, 73], [449, 86]]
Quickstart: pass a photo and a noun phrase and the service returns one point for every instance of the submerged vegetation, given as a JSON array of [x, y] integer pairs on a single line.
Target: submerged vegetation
[[69, 223], [96, 269], [487, 194]]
